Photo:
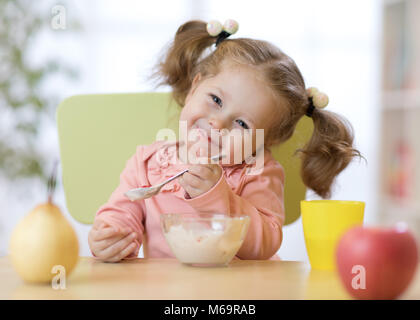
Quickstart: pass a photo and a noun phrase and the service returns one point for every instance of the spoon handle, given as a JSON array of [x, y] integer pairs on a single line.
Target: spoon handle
[[173, 177]]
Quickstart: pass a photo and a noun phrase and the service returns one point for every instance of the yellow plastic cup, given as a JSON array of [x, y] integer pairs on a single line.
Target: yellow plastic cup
[[324, 222]]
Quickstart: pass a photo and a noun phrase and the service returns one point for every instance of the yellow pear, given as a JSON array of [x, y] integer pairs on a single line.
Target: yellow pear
[[42, 240]]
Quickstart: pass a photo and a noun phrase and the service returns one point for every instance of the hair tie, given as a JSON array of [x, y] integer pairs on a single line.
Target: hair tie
[[311, 107], [317, 99], [215, 29]]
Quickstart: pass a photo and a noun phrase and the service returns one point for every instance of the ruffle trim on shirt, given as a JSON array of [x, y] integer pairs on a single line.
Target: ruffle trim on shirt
[[163, 164]]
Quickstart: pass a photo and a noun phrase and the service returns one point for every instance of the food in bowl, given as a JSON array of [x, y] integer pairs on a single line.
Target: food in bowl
[[204, 239]]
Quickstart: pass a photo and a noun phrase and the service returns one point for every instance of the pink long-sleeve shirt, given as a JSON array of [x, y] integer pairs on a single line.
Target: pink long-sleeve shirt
[[236, 193]]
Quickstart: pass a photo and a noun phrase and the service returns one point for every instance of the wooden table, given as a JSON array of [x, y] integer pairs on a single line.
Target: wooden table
[[168, 279]]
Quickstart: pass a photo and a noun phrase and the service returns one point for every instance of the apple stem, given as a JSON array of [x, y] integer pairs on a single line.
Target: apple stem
[[52, 182]]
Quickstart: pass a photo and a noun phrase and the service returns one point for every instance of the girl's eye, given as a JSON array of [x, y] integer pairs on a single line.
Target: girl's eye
[[242, 124], [216, 99]]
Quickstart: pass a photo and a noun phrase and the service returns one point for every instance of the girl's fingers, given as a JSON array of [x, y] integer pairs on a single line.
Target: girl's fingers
[[129, 249], [203, 171], [192, 180], [118, 246], [215, 169], [105, 233], [108, 242], [99, 224], [191, 191]]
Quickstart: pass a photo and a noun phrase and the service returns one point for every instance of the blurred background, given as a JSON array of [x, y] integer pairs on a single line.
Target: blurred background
[[362, 53]]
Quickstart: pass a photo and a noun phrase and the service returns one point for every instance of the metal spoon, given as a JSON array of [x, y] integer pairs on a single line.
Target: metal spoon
[[147, 192]]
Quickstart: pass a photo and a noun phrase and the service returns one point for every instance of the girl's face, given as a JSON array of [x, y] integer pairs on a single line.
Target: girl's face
[[229, 106]]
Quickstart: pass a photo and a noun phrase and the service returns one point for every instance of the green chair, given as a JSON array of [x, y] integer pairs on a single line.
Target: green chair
[[99, 133]]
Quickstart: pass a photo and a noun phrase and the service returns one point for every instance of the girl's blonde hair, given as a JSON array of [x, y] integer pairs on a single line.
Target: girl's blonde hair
[[330, 148]]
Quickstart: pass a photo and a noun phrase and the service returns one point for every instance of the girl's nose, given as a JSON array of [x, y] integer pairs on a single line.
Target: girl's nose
[[216, 124]]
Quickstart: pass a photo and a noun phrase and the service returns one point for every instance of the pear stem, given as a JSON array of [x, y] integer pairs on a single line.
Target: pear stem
[[52, 182]]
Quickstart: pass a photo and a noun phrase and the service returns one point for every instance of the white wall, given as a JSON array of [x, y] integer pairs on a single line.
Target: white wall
[[335, 44]]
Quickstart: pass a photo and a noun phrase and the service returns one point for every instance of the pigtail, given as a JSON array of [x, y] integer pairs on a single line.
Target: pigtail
[[328, 152], [179, 64]]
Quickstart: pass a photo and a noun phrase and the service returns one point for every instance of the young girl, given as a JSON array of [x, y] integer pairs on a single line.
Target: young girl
[[224, 84]]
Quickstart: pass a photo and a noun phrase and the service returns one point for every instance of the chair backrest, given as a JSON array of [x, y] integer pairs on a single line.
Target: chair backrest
[[99, 133]]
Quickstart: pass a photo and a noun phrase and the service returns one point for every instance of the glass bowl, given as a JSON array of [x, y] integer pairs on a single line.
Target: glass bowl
[[204, 239]]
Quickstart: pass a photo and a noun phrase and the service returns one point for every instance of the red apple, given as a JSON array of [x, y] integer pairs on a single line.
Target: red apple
[[377, 263]]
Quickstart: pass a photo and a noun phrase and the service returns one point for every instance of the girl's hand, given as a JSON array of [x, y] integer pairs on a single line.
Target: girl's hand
[[200, 178], [111, 244]]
